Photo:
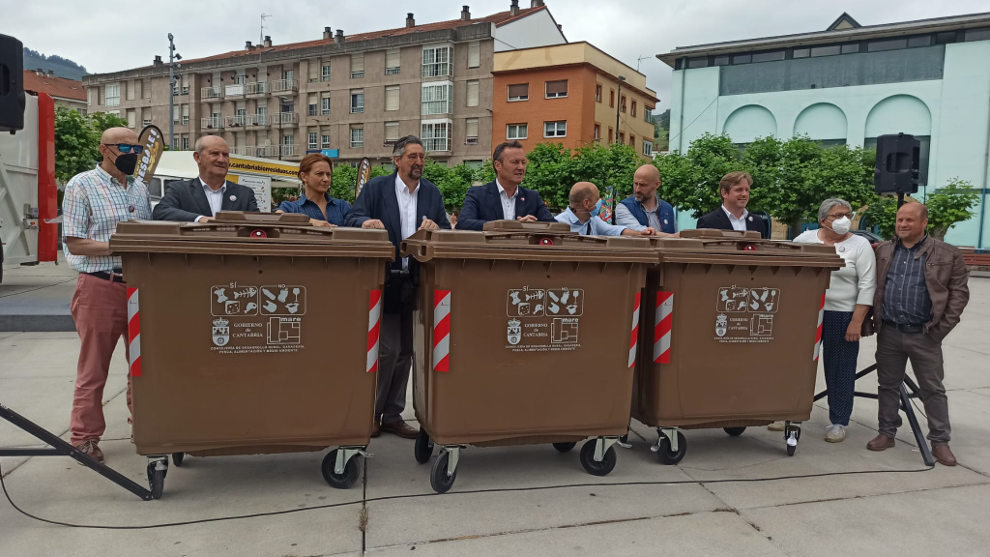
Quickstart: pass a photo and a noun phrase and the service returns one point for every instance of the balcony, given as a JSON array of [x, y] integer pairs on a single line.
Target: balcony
[[280, 85], [284, 119], [215, 123], [246, 120], [269, 151], [247, 150], [211, 93], [256, 88], [289, 150], [471, 140], [179, 91], [234, 90]]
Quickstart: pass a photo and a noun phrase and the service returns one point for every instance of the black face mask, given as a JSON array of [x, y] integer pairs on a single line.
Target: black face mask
[[126, 163]]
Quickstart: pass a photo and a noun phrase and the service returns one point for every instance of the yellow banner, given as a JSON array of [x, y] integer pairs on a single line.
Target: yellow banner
[[259, 167]]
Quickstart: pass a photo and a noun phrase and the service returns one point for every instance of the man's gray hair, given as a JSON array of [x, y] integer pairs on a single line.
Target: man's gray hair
[[198, 146], [400, 146], [829, 204]]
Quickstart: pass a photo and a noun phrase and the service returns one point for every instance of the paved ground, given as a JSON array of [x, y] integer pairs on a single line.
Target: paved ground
[[835, 499]]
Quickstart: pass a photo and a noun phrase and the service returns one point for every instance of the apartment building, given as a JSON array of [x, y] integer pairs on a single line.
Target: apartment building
[[67, 93], [354, 94], [573, 94]]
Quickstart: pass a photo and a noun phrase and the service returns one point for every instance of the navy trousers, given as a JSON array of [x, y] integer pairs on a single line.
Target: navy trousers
[[839, 356]]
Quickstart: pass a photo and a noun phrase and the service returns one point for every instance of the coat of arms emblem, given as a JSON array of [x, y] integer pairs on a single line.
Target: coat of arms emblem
[[514, 332], [721, 324], [221, 332]]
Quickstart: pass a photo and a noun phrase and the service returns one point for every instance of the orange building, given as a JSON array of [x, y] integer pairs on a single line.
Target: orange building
[[570, 94]]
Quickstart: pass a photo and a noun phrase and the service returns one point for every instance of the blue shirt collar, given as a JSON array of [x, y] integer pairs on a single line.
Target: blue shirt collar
[[330, 200]]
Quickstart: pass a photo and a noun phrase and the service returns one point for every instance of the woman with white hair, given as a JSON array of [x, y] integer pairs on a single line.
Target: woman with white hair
[[847, 301]]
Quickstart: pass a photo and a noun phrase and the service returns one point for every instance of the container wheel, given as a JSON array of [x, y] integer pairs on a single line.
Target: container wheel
[[340, 481], [565, 447], [666, 454], [423, 449], [791, 449], [588, 459], [156, 479], [734, 431], [177, 458], [439, 480]]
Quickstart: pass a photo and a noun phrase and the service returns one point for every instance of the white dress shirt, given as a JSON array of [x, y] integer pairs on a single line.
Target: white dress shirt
[[594, 226], [737, 224], [213, 197], [407, 211], [508, 203]]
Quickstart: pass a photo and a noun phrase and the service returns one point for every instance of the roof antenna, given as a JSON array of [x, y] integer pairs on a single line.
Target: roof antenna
[[261, 36]]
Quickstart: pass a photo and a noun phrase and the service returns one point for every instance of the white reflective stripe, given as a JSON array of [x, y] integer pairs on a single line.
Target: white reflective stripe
[[634, 341], [372, 356], [666, 308], [441, 350], [134, 349], [132, 305], [442, 309], [661, 345], [374, 314], [818, 347]]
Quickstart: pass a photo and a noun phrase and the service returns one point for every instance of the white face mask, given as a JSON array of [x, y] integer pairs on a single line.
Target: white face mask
[[841, 225]]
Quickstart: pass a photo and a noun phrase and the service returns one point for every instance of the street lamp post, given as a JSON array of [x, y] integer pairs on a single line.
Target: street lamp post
[[618, 105], [173, 64]]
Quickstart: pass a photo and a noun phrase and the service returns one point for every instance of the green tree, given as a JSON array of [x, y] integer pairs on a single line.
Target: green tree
[[947, 206], [549, 171], [690, 182], [75, 144], [102, 121], [343, 181]]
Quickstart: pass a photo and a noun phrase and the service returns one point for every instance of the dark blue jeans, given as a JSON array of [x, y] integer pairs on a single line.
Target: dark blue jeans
[[839, 356]]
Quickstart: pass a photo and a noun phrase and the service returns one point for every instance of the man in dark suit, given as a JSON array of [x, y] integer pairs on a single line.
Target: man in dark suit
[[504, 198], [200, 199], [732, 215], [401, 203]]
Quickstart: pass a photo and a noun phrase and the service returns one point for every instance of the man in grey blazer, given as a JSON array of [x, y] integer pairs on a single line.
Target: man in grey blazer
[[200, 199]]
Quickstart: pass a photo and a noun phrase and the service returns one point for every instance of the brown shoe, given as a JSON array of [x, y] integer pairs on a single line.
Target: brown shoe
[[943, 455], [881, 442], [90, 447], [400, 428]]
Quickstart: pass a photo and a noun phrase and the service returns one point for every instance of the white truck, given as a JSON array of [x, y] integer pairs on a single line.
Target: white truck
[[28, 193]]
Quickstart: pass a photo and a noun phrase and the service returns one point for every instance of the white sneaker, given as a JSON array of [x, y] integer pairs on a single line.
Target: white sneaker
[[835, 433], [776, 426]]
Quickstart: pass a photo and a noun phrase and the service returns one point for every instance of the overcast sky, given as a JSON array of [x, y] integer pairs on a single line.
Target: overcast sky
[[112, 36]]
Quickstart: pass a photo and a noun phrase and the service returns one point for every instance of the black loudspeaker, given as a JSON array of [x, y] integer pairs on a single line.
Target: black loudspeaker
[[11, 84], [898, 161]]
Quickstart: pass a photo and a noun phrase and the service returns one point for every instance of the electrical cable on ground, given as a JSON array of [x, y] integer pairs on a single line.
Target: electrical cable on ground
[[365, 500]]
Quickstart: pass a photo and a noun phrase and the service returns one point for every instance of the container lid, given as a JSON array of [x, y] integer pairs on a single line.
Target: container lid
[[530, 241], [735, 247], [240, 233]]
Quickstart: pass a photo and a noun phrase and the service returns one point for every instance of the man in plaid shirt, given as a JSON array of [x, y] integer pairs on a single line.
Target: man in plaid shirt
[[95, 201]]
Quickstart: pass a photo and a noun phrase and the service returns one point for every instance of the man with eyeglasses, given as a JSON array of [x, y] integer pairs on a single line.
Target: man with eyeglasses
[[95, 201], [200, 199]]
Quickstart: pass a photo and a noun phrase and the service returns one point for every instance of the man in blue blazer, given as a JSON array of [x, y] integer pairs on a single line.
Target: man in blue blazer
[[644, 208], [200, 199], [732, 215], [504, 198], [401, 203]]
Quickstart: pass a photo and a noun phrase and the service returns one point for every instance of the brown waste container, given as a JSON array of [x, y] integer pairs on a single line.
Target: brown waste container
[[526, 334], [730, 335], [252, 334]]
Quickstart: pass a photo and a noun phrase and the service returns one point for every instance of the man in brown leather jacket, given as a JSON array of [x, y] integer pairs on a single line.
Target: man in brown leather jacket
[[921, 293]]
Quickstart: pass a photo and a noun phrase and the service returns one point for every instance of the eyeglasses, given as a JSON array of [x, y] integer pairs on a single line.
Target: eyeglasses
[[847, 215], [127, 147]]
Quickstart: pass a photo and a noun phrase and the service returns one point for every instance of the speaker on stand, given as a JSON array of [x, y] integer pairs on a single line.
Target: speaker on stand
[[897, 169], [11, 84]]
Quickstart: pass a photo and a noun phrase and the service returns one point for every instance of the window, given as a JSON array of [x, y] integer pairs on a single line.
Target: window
[[471, 131], [611, 98], [436, 61], [598, 132], [261, 114], [92, 96], [176, 113], [598, 93], [768, 56], [357, 136], [185, 142], [474, 55], [130, 91], [518, 92], [392, 97], [314, 108], [185, 115], [610, 136], [632, 141], [648, 148], [622, 137], [392, 61], [435, 135], [516, 131], [111, 94], [555, 129], [722, 60], [886, 44], [850, 48], [175, 142], [325, 71], [697, 62], [325, 104], [742, 58], [357, 66], [312, 140], [801, 53], [131, 118], [648, 114], [436, 98], [357, 101], [556, 89], [473, 89], [325, 141], [827, 50], [623, 103], [920, 40], [391, 133], [632, 111]]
